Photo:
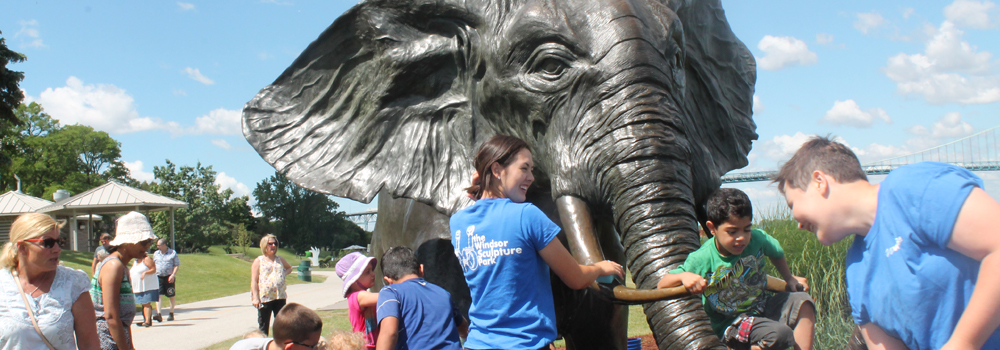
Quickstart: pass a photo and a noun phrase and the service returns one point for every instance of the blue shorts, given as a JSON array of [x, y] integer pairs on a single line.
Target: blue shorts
[[147, 297]]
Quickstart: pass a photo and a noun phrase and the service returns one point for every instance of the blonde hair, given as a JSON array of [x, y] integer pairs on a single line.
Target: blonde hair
[[263, 242], [344, 340], [27, 226], [256, 333]]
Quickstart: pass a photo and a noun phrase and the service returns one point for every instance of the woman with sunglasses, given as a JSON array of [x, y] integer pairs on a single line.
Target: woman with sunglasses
[[267, 282], [36, 290], [112, 293]]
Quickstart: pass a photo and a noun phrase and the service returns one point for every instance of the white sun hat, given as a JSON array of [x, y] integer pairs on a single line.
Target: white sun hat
[[132, 228]]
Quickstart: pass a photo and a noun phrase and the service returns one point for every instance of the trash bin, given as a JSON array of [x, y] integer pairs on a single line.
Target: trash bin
[[305, 273]]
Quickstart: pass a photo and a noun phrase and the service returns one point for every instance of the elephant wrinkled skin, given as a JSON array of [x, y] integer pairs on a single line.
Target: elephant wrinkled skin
[[633, 110]]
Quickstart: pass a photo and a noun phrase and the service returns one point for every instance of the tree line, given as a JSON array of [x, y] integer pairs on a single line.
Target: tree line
[[48, 156]]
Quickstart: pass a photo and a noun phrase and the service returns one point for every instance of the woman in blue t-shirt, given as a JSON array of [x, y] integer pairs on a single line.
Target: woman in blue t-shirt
[[506, 247]]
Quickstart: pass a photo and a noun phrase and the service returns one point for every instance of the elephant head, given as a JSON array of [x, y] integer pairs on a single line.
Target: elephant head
[[633, 110]]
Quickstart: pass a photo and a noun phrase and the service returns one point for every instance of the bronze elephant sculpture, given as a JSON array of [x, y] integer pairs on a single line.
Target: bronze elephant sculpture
[[633, 110]]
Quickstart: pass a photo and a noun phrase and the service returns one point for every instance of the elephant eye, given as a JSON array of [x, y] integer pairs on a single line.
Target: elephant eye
[[551, 66]]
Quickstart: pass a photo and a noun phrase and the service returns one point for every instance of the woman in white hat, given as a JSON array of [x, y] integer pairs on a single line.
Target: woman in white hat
[[45, 305], [114, 301]]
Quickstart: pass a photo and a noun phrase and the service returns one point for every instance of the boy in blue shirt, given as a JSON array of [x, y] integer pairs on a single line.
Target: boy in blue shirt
[[729, 271], [413, 313], [924, 269]]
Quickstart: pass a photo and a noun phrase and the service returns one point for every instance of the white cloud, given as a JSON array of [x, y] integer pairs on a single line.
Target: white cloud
[[135, 169], [222, 144], [968, 13], [109, 108], [783, 52], [180, 92], [219, 121], [918, 130], [784, 146], [103, 107], [757, 105], [195, 74], [849, 113], [951, 125], [824, 38], [185, 6], [868, 21], [949, 71], [264, 56], [239, 189], [907, 12], [29, 34], [876, 152]]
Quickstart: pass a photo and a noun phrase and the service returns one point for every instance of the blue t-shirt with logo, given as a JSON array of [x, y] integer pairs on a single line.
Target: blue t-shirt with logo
[[427, 317], [497, 241], [902, 276]]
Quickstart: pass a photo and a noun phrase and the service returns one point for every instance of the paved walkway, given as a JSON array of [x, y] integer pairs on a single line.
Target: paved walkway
[[204, 323]]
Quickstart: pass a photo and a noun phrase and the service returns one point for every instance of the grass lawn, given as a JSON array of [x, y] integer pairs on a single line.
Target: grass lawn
[[203, 276]]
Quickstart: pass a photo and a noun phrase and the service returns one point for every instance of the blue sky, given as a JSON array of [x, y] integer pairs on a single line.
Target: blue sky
[[168, 79]]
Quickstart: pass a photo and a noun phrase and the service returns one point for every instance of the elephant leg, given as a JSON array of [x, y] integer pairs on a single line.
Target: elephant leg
[[406, 222]]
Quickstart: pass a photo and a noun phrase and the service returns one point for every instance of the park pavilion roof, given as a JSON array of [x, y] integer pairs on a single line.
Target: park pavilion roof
[[112, 197], [15, 203]]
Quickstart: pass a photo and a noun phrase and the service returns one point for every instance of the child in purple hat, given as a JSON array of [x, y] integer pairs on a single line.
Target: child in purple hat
[[358, 273]]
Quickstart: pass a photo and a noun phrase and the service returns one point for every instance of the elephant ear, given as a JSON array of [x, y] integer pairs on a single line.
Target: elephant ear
[[720, 73], [379, 100]]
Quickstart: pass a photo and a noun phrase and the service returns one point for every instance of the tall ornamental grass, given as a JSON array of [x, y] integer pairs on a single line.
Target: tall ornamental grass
[[824, 268]]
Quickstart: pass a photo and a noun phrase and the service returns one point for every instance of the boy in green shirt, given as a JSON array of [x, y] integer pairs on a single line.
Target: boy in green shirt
[[729, 271]]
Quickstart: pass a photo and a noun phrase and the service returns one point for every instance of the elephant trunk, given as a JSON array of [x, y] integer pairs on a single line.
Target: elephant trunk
[[657, 219]]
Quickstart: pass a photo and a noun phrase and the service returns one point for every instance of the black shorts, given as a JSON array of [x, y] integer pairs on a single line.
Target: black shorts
[[166, 288]]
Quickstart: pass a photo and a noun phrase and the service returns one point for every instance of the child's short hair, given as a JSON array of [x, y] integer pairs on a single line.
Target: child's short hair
[[398, 262], [823, 154], [296, 322], [725, 203], [344, 340]]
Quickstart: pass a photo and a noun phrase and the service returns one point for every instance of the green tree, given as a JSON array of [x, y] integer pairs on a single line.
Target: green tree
[[49, 157], [303, 218], [210, 213], [10, 94]]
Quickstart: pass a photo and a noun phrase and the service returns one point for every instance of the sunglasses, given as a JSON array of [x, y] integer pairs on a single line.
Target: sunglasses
[[47, 243], [272, 243], [300, 344]]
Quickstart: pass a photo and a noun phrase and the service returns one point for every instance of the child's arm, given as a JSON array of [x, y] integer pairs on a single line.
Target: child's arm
[[367, 299], [792, 283], [976, 235], [693, 282], [387, 335], [877, 339]]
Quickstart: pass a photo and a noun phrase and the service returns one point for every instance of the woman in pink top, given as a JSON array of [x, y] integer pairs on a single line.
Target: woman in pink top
[[358, 273]]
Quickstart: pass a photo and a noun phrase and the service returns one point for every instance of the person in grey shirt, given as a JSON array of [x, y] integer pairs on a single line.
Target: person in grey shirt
[[166, 269]]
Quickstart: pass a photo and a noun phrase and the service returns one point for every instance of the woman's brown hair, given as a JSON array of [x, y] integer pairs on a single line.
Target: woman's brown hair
[[498, 149]]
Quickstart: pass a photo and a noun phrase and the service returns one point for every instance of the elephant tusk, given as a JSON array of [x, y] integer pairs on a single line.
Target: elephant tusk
[[579, 227], [631, 296]]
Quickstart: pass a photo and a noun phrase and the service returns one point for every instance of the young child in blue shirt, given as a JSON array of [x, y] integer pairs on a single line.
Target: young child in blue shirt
[[924, 269], [413, 313], [729, 271]]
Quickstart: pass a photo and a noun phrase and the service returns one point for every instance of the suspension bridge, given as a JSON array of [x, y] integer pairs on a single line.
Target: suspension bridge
[[364, 219], [977, 152]]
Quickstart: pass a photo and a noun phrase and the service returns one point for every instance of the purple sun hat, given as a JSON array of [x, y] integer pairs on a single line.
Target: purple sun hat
[[350, 267]]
